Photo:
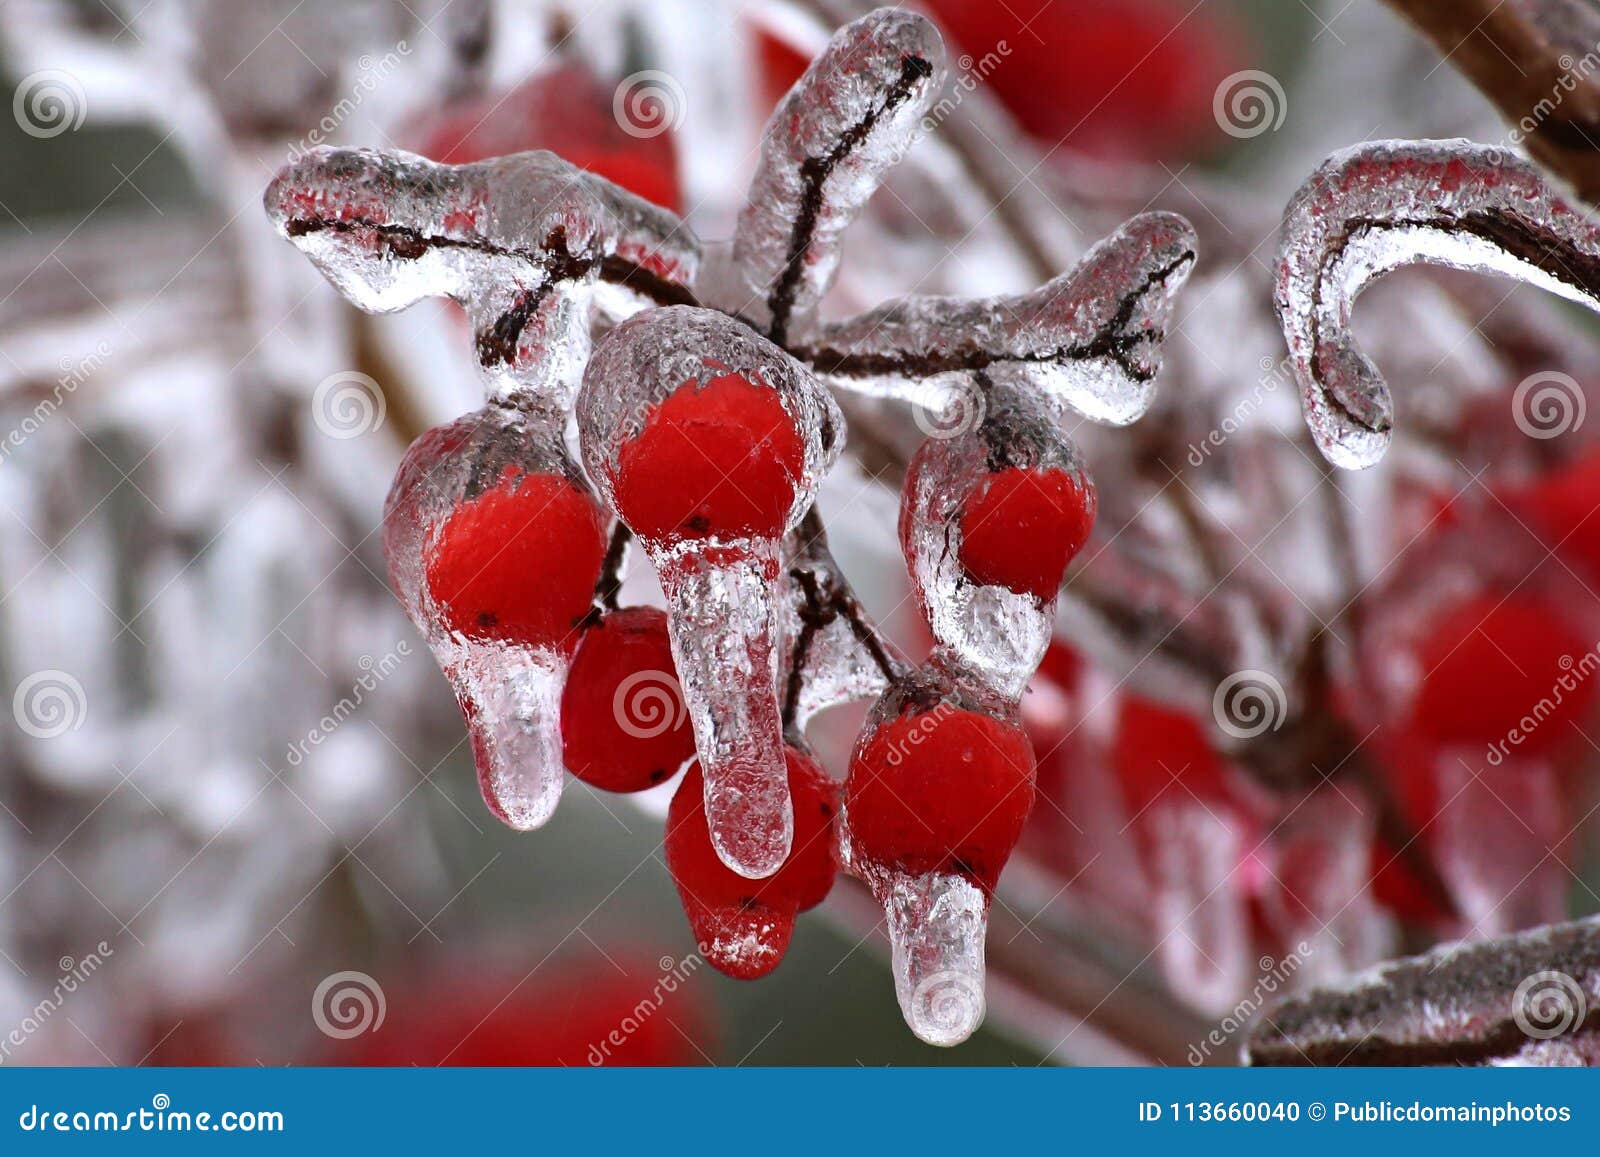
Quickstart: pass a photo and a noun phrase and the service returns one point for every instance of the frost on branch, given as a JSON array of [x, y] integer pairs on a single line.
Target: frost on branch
[[709, 441], [1378, 207], [516, 240], [1528, 999], [847, 120], [1090, 338]]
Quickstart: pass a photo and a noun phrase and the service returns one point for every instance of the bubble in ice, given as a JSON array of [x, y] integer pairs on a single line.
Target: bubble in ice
[[1090, 338], [845, 122], [710, 441], [1380, 206]]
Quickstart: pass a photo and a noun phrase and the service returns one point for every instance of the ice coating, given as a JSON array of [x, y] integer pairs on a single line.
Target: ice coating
[[1090, 337], [1377, 207], [722, 591], [835, 655], [848, 119], [509, 690], [517, 240], [996, 633], [937, 925]]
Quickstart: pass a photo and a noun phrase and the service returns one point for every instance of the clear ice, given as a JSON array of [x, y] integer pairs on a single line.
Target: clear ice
[[1378, 207]]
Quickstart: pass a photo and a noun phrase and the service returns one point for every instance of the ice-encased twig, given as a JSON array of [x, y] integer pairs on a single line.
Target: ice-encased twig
[[848, 119], [1377, 207], [515, 240], [1528, 999], [1091, 337]]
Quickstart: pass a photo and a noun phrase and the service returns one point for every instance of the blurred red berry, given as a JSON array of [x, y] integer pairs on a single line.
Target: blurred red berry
[[1564, 508]]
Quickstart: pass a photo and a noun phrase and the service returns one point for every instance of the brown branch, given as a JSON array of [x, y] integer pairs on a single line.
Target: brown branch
[[1527, 57]]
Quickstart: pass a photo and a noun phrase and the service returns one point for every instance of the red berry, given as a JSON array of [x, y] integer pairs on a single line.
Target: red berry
[[1564, 507], [743, 926], [720, 459], [1162, 753], [1490, 663], [519, 562], [940, 789], [1020, 528], [623, 723]]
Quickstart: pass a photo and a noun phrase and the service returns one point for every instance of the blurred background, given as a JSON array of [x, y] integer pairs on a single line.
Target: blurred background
[[240, 823]]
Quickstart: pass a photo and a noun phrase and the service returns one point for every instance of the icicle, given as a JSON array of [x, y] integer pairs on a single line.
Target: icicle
[[494, 547], [1380, 206], [1016, 484], [519, 241], [1090, 337], [709, 442], [845, 122], [937, 925]]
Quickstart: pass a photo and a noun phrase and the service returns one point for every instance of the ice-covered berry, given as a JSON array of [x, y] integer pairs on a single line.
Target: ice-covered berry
[[1021, 527], [939, 788], [623, 723], [742, 925], [519, 562], [721, 458]]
